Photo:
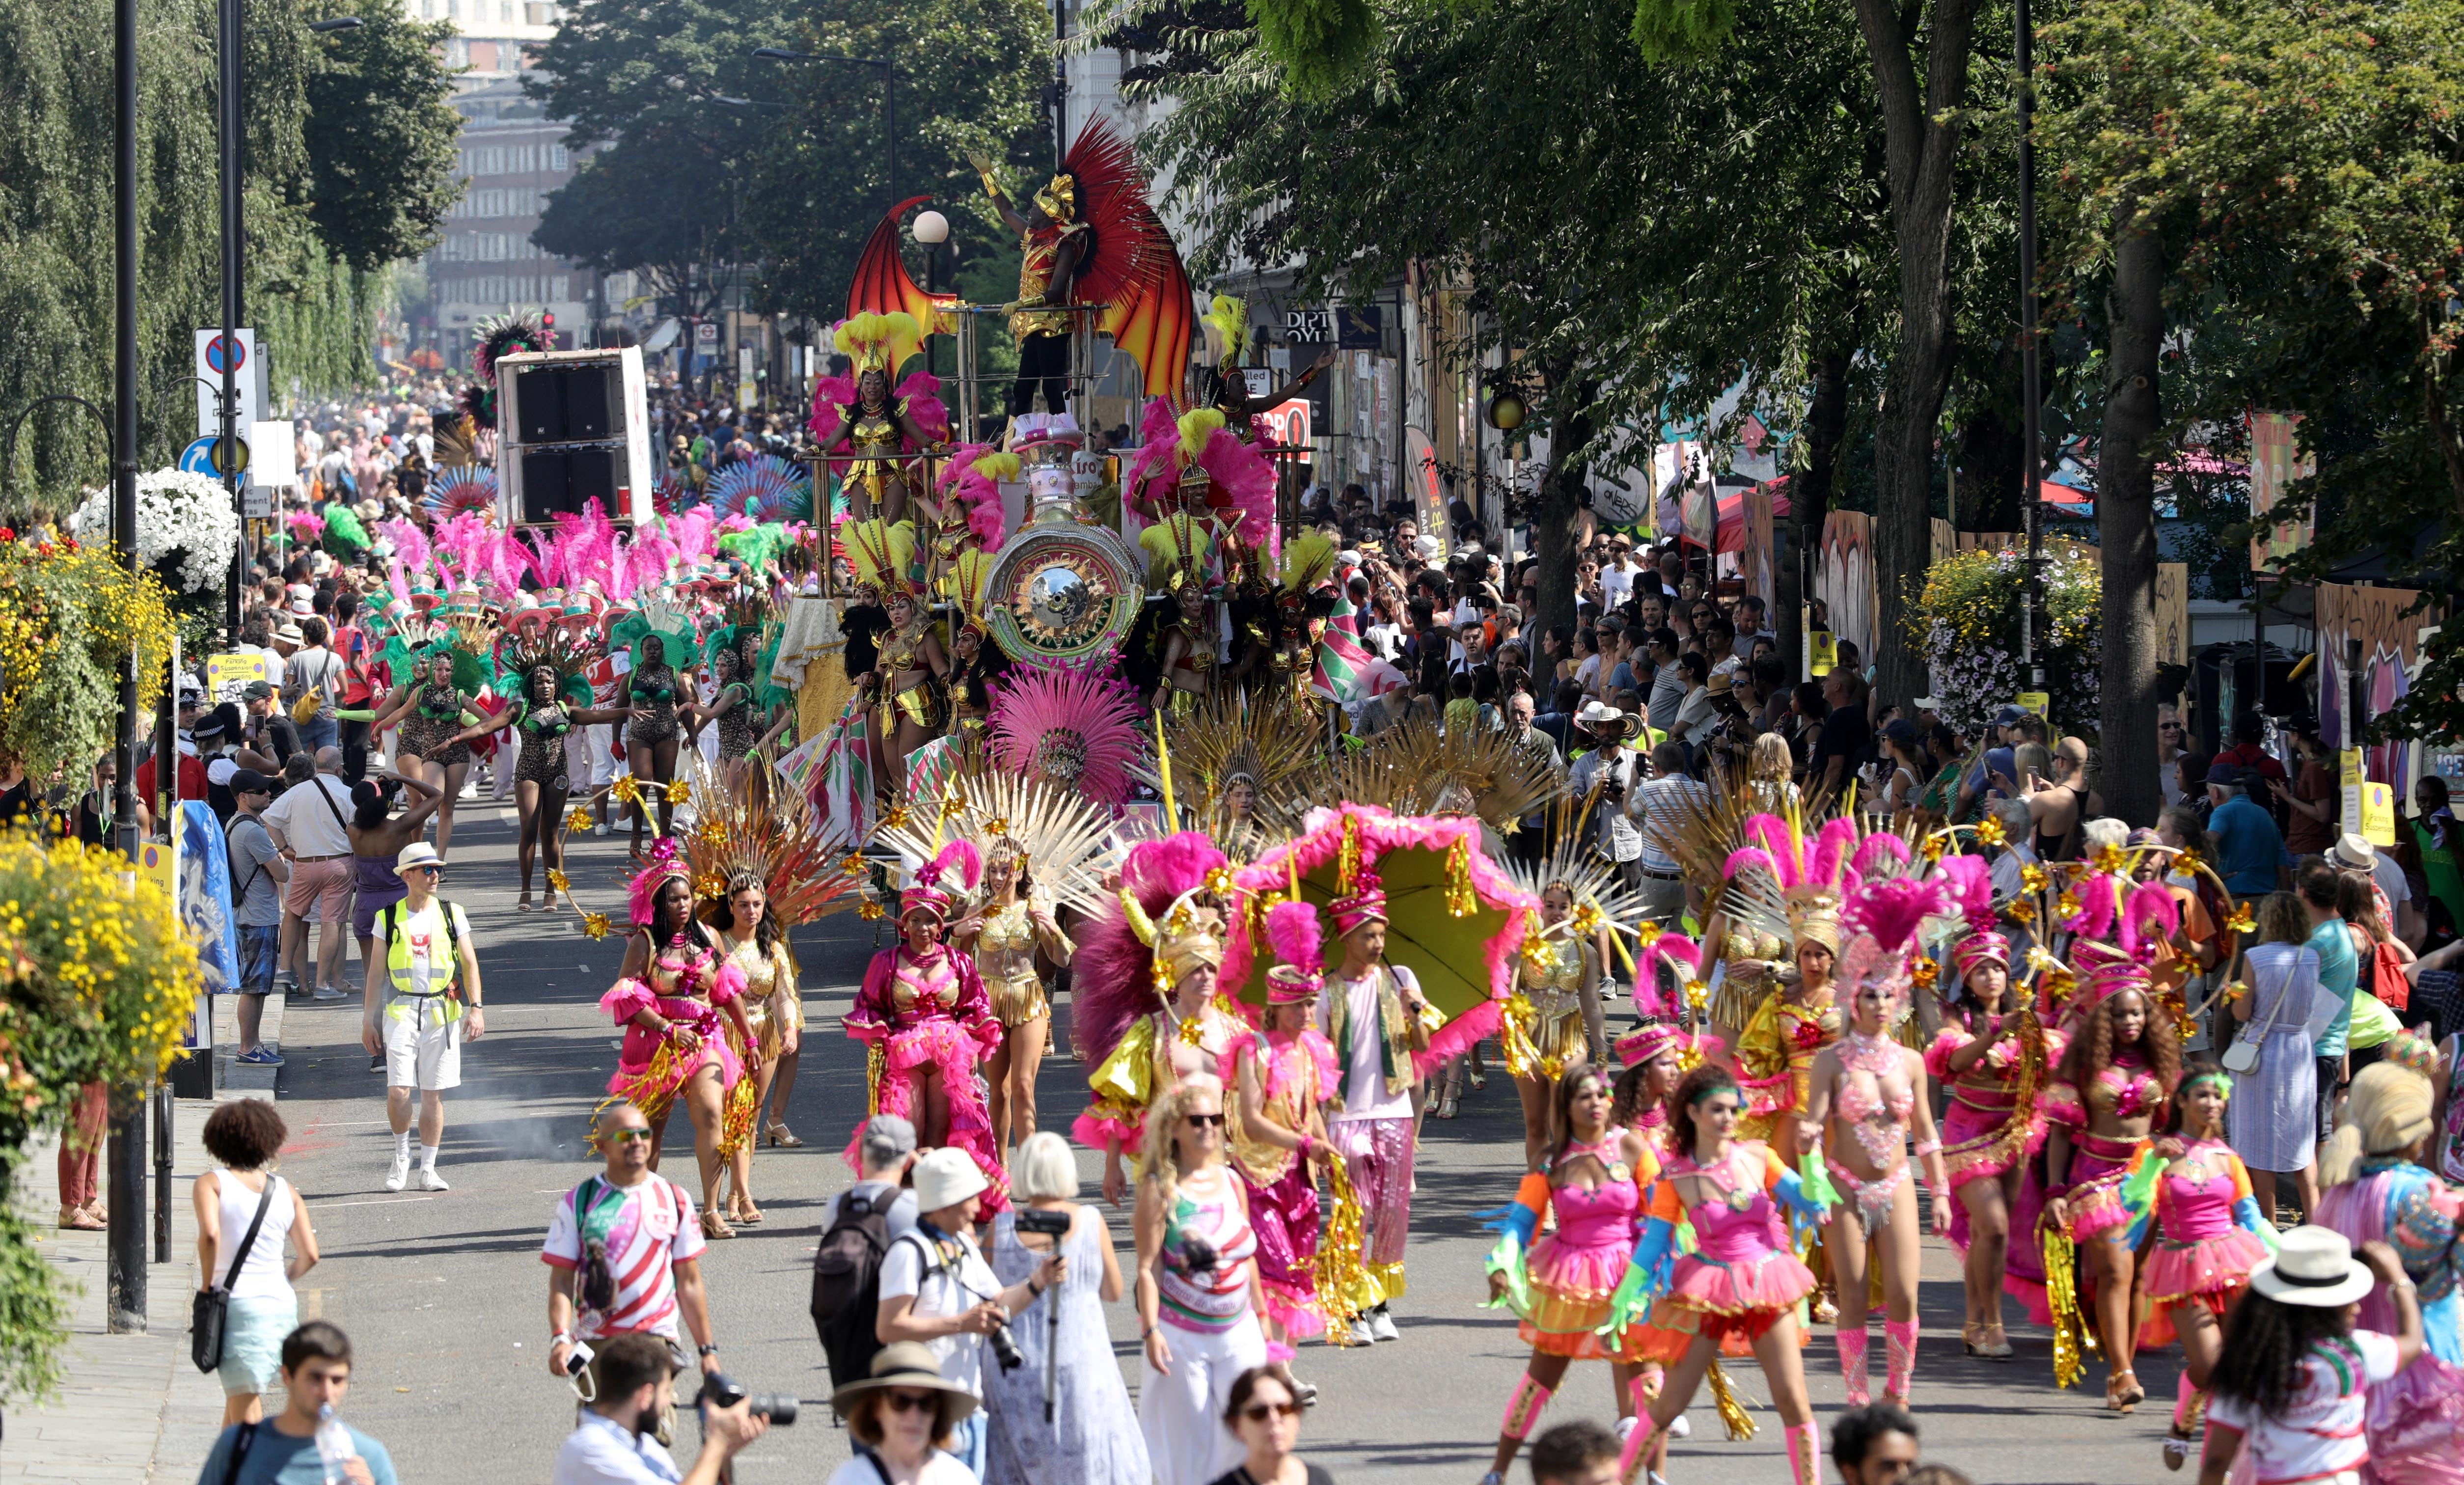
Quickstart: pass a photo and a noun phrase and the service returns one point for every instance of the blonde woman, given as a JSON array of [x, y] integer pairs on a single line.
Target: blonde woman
[[1010, 924], [1200, 1307]]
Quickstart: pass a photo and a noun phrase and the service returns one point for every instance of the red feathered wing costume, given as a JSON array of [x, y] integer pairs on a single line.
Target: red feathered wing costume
[[1134, 267]]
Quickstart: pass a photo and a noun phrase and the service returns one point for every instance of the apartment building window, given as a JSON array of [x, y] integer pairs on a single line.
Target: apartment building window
[[557, 157]]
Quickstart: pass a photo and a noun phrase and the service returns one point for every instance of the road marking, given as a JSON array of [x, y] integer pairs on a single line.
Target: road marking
[[390, 1201]]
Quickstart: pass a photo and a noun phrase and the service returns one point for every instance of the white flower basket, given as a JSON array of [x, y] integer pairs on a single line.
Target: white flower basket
[[186, 530]]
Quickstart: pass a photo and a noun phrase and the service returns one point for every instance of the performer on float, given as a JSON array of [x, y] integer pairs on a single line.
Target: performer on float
[[1178, 551], [924, 1016], [2378, 1187], [1227, 390], [872, 435], [908, 684], [754, 945], [1991, 1059], [549, 666], [1372, 1014], [1868, 1095], [1557, 978], [659, 689], [1280, 1074], [2210, 1234], [1741, 1278], [1057, 245], [2119, 1069], [1006, 928], [1145, 983], [671, 996]]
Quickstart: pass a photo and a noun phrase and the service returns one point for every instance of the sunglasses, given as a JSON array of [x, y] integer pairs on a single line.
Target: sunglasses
[[433, 870], [1260, 1412], [911, 1402], [1204, 1120], [626, 1136]]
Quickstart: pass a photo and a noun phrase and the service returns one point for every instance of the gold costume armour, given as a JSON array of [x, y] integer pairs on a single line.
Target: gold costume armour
[[1006, 959], [1554, 990], [771, 1002], [1190, 676], [925, 701], [1042, 250], [872, 435], [1262, 1162]]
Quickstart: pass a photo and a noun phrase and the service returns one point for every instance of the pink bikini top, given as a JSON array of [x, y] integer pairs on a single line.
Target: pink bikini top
[[914, 984], [1600, 1216], [2199, 1193]]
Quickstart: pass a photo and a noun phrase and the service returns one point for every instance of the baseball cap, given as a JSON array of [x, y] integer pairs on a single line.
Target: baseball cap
[[2008, 716], [258, 691], [248, 780], [887, 1137]]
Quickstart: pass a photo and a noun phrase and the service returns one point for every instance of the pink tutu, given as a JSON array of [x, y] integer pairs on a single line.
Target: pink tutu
[[1585, 1270], [943, 1044], [2176, 1272], [1775, 1281]]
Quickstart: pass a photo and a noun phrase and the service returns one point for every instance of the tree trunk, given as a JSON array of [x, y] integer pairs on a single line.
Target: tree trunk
[[1922, 131], [2125, 508], [1989, 449], [1556, 513], [1809, 500]]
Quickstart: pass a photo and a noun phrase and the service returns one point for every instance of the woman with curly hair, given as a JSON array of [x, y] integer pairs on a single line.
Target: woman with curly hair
[[2115, 1076], [1200, 1307], [1741, 1279]]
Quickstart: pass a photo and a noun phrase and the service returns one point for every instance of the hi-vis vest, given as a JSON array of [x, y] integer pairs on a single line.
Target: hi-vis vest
[[442, 976]]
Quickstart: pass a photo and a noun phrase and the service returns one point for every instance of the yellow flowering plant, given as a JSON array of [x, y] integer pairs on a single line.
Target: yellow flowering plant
[[97, 982], [70, 618]]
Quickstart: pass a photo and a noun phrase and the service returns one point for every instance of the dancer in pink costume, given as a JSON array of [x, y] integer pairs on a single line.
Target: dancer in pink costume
[[923, 1012], [1741, 1280], [1867, 1097], [1281, 1076], [2210, 1235], [673, 987]]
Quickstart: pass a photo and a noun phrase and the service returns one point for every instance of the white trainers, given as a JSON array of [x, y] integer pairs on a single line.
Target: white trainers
[[1383, 1325], [1625, 1427], [431, 1181], [398, 1173], [1679, 1428], [1362, 1334]]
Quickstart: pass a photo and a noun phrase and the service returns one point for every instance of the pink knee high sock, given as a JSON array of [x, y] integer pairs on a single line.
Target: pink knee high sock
[[2183, 1395], [1637, 1444], [1805, 1453], [1851, 1367], [1523, 1407], [1901, 1337]]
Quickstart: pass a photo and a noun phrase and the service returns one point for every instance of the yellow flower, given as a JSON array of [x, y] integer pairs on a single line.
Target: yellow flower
[[577, 821], [680, 791], [854, 865], [557, 879], [1698, 994], [2033, 878], [1647, 933], [1990, 831], [625, 791], [2021, 910], [1933, 846], [2110, 859], [2240, 922], [595, 924], [2187, 860], [871, 910], [1924, 973], [2067, 905]]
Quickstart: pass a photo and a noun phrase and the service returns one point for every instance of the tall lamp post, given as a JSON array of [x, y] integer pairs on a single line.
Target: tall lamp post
[[889, 100], [2031, 395]]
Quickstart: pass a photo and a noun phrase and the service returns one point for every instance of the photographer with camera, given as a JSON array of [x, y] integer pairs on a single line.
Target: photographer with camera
[[617, 1440], [937, 1288]]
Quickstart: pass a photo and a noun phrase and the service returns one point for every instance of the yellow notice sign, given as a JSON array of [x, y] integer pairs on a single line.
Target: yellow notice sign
[[1821, 652], [2039, 704], [226, 674], [2378, 814]]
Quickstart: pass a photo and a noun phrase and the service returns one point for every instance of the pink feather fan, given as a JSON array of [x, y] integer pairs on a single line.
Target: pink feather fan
[[829, 394], [1297, 937], [1159, 437]]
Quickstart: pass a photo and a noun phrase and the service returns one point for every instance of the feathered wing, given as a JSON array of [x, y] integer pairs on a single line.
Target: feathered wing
[[921, 393], [829, 394], [1135, 267], [882, 287]]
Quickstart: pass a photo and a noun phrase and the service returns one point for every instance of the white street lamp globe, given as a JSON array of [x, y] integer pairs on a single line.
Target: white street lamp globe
[[932, 228]]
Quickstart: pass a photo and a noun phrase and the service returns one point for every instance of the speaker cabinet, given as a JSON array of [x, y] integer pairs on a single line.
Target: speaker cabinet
[[575, 429]]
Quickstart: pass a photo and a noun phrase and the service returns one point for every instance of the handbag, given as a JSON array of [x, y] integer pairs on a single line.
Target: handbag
[[210, 1309], [2242, 1056]]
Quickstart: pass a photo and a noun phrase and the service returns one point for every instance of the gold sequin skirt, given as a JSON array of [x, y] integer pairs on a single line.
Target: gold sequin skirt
[[1017, 1002]]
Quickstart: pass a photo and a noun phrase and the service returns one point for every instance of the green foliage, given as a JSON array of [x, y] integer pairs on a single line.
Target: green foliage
[[1320, 44], [381, 155], [33, 1314], [1676, 31]]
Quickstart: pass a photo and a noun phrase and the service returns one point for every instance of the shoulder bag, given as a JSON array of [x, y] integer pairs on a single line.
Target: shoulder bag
[[2242, 1056], [209, 1310]]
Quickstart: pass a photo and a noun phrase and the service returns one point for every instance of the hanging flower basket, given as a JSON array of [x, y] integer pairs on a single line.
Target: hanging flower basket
[[186, 530], [1967, 621]]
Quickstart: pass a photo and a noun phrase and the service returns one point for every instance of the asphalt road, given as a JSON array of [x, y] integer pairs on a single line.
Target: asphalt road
[[445, 1298]]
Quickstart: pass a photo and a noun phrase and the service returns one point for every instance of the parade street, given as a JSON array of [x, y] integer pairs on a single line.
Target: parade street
[[445, 1297]]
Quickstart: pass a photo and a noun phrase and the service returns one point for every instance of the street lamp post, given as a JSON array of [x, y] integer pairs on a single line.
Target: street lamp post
[[889, 100], [124, 1272], [932, 230], [2032, 397]]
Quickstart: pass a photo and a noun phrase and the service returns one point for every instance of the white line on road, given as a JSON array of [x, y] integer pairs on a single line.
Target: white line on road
[[395, 1201]]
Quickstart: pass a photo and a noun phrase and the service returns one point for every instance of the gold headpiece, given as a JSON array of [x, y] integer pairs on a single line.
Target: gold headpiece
[[1058, 200], [1184, 938], [1814, 913], [878, 343]]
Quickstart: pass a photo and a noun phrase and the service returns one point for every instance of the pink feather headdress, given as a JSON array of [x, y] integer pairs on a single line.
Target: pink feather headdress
[[665, 864], [2142, 923], [940, 882], [976, 490], [1158, 443], [1294, 934], [1881, 922]]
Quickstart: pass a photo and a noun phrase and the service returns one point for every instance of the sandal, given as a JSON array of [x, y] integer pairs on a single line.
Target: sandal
[[79, 1219], [1994, 1344], [1968, 1337], [1479, 1078], [714, 1227], [780, 1135], [2122, 1393], [524, 905], [1448, 1105], [746, 1215]]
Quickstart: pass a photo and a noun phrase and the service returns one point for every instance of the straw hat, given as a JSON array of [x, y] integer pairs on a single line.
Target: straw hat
[[909, 1363], [2313, 1266]]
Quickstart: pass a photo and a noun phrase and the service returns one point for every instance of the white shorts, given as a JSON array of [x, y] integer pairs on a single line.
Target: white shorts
[[422, 1051]]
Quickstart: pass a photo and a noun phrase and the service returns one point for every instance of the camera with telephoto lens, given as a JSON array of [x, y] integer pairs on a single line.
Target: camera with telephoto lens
[[721, 1390], [1005, 1348], [1049, 1224]]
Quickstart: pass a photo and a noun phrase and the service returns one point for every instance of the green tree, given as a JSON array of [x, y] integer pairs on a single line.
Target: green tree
[[381, 155]]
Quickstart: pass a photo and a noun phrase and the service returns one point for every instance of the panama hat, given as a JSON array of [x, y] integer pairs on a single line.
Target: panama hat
[[417, 854], [946, 1177], [2355, 851], [2313, 1266], [909, 1364]]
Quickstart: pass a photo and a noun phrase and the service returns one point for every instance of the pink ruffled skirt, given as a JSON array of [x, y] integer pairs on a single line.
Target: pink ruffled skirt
[[942, 1043], [1571, 1285], [2210, 1272], [650, 1083], [1733, 1300]]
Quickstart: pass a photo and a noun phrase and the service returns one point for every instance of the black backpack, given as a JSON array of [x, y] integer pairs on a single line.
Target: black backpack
[[846, 1280]]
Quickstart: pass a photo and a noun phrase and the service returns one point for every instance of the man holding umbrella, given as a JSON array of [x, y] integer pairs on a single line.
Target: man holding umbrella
[[1373, 1012]]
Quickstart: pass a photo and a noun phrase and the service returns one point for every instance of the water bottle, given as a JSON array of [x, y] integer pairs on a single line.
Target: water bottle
[[334, 1445]]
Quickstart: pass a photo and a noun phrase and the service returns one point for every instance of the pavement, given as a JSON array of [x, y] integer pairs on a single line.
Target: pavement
[[445, 1298]]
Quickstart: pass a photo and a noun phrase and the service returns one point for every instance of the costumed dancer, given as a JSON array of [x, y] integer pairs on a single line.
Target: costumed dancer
[[1799, 1014], [1592, 1175], [660, 635], [1555, 1020], [1656, 1056], [2106, 1096], [871, 434], [433, 711], [1280, 1074], [1992, 1057], [548, 665], [2210, 1234], [1374, 1015], [1872, 1090], [1006, 928], [1177, 550], [924, 1016], [909, 698], [1145, 987], [2379, 1187], [671, 995], [1227, 391], [1741, 1279], [734, 706], [754, 945]]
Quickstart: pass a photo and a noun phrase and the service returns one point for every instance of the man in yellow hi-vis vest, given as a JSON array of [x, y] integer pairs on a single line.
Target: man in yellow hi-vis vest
[[422, 1001]]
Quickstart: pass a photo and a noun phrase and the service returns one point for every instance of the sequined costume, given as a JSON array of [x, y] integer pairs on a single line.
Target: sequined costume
[[1149, 1061], [1560, 1283], [1552, 983], [924, 700], [1776, 1058], [542, 730], [2099, 1168], [1743, 1273], [772, 1003], [912, 1011], [1190, 676], [428, 732], [1005, 957], [1294, 1073], [737, 723], [1978, 1139], [2208, 1236], [652, 689], [1872, 1105], [686, 983]]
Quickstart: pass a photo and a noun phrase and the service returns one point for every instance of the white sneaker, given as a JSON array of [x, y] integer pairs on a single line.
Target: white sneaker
[[431, 1181], [398, 1173], [326, 994], [1679, 1428], [1383, 1325], [1362, 1334], [599, 829], [1625, 1427]]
